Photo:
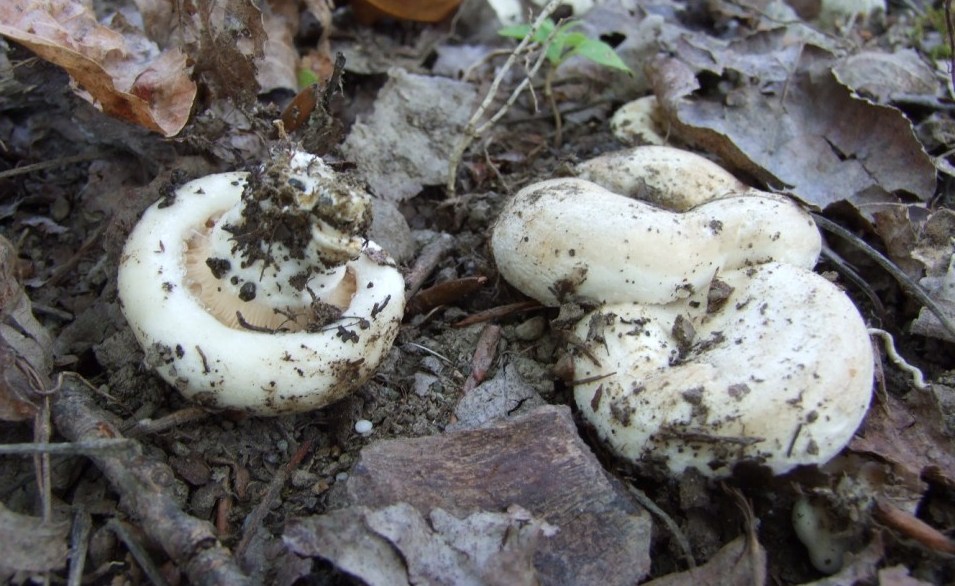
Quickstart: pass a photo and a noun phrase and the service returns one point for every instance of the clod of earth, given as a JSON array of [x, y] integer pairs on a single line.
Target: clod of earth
[[710, 341], [258, 291]]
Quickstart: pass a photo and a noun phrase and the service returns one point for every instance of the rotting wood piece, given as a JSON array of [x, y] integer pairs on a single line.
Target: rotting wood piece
[[189, 542], [536, 461]]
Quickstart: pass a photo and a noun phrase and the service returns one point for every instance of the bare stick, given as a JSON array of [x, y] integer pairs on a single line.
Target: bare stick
[[675, 531], [472, 131], [430, 256], [143, 486], [102, 447], [254, 521]]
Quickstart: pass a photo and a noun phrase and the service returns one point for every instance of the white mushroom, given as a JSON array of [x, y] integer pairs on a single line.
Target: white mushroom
[[258, 291], [638, 122], [814, 527], [712, 342]]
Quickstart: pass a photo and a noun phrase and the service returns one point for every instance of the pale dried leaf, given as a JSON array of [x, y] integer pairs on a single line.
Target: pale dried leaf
[[883, 75], [732, 565], [30, 544], [910, 435], [26, 350], [398, 545], [276, 69]]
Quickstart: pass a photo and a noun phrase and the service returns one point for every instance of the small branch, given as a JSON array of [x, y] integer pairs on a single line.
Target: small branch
[[142, 484], [100, 447], [174, 419], [671, 525], [426, 262], [253, 522]]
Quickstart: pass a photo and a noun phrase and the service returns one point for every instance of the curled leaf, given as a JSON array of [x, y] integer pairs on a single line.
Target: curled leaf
[[124, 76]]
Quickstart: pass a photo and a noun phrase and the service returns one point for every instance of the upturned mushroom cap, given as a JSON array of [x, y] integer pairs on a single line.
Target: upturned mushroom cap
[[572, 240], [671, 178], [235, 320], [711, 342]]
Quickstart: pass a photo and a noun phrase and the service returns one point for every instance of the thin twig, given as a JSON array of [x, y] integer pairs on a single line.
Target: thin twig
[[253, 522], [174, 419], [671, 525], [99, 447], [426, 262], [138, 552], [472, 131], [79, 545], [906, 282], [848, 272], [61, 162]]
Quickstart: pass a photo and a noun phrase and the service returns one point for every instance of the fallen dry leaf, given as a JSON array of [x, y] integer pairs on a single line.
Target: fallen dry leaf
[[780, 114], [934, 250], [909, 435], [26, 350], [277, 67], [884, 75], [125, 76], [30, 544], [536, 461], [732, 565], [398, 545], [899, 576], [369, 11]]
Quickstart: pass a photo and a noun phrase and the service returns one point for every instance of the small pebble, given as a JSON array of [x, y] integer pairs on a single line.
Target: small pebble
[[363, 426], [531, 329]]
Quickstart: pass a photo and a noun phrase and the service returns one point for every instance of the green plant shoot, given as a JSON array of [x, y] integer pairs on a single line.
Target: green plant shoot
[[566, 43]]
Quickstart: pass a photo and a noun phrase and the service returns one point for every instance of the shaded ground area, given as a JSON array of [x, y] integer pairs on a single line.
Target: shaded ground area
[[851, 116]]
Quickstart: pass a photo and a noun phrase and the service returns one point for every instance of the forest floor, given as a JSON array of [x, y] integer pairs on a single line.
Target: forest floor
[[478, 467]]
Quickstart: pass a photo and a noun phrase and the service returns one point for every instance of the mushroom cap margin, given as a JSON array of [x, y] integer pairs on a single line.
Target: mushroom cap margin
[[217, 366]]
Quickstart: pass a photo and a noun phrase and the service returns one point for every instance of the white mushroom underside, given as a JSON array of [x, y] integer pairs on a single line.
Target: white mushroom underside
[[219, 366], [782, 375]]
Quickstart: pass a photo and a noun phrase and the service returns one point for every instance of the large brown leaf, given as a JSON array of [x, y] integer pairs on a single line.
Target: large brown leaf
[[802, 132], [123, 74]]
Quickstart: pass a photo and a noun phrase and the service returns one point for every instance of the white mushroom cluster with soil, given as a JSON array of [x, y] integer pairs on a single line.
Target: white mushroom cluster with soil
[[259, 291], [709, 341]]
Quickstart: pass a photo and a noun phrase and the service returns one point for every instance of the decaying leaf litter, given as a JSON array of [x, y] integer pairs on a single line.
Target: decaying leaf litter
[[475, 470]]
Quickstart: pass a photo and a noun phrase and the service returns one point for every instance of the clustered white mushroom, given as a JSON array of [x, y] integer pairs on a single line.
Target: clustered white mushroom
[[709, 341], [258, 291]]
